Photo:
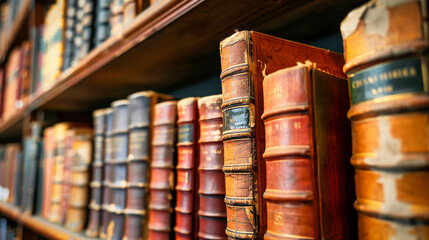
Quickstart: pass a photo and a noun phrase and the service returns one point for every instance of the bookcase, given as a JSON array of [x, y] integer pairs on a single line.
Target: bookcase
[[171, 47]]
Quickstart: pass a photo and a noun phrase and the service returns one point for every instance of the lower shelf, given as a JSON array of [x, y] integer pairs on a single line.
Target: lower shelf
[[40, 225]]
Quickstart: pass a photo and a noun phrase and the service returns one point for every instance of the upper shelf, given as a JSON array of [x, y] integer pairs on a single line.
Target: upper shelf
[[176, 42]]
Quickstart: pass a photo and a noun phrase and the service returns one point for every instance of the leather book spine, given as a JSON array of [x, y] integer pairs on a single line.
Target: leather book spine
[[68, 161], [58, 171], [69, 33], [240, 163], [140, 130], [162, 171], [96, 186], [307, 179], [49, 146], [102, 25], [77, 203], [187, 162], [129, 11], [388, 79], [119, 167], [107, 174], [211, 189], [116, 18]]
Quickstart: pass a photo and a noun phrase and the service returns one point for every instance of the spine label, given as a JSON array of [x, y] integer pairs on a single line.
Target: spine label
[[186, 133], [402, 76]]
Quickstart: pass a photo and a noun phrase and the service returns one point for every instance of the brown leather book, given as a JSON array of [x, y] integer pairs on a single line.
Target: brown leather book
[[309, 191], [77, 202], [96, 186], [162, 172], [48, 165], [386, 50], [140, 136], [187, 198], [67, 171], [211, 190], [106, 215], [246, 57], [118, 162]]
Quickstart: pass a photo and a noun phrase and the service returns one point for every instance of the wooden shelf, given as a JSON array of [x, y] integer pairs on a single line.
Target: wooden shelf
[[39, 225], [174, 43], [11, 128], [20, 23]]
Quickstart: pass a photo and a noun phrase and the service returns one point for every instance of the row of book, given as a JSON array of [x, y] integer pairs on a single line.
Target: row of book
[[69, 31], [9, 10]]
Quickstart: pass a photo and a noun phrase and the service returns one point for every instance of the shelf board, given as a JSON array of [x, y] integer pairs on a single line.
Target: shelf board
[[40, 225], [20, 24]]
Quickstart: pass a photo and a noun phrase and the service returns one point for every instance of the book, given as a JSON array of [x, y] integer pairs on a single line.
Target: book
[[309, 189], [186, 170], [71, 20], [245, 57], [67, 172], [31, 150], [211, 190], [116, 17], [139, 158], [107, 174], [387, 67], [77, 203], [102, 25], [48, 164], [119, 167], [96, 184], [129, 11], [162, 178]]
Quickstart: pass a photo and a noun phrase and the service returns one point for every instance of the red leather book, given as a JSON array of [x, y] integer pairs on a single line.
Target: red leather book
[[386, 51], [246, 57], [309, 189], [187, 198], [140, 136], [211, 190], [162, 171], [49, 147], [67, 171]]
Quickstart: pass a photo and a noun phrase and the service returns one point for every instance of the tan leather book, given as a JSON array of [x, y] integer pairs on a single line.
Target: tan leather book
[[246, 57], [49, 146], [162, 178], [211, 187], [309, 189], [79, 178], [386, 50]]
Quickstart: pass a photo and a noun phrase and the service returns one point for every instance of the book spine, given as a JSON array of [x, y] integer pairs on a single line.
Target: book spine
[[49, 145], [58, 171], [69, 33], [187, 161], [290, 172], [390, 120], [67, 170], [95, 203], [140, 127], [162, 171], [102, 25], [211, 190], [107, 174], [129, 11], [241, 178], [119, 167]]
